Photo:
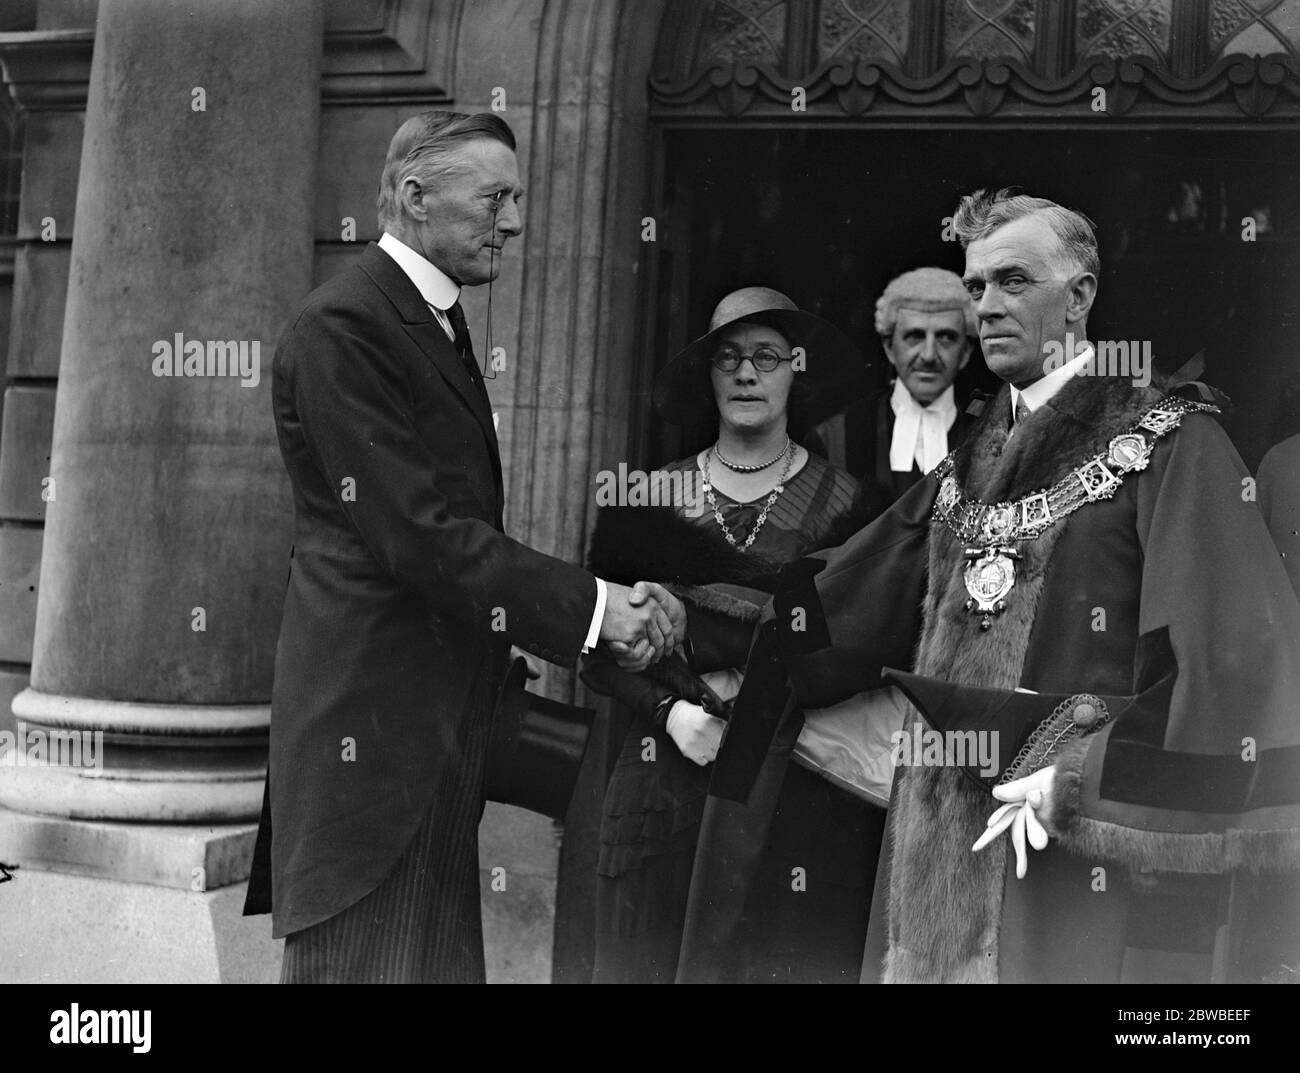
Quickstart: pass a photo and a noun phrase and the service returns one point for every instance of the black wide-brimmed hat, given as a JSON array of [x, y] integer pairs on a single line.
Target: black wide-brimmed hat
[[537, 748], [834, 371]]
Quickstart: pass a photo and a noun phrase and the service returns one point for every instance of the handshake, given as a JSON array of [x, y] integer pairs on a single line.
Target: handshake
[[642, 624]]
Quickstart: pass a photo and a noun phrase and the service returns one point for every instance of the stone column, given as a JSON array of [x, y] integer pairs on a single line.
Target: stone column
[[585, 270], [167, 532]]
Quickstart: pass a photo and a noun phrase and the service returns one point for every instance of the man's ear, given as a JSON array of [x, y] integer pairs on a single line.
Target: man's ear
[[1079, 299], [410, 196]]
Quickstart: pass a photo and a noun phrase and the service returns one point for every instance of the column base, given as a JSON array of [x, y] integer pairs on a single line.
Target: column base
[[71, 929], [90, 758], [187, 857], [142, 796], [100, 902], [94, 902]]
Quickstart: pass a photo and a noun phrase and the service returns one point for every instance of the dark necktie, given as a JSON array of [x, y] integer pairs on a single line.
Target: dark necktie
[[1022, 411], [461, 341], [466, 349]]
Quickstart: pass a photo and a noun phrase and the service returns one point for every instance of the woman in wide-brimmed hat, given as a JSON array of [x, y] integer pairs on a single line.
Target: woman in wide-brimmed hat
[[726, 519], [829, 371]]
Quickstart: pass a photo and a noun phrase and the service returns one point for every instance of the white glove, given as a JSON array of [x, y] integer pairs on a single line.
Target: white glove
[[1022, 797], [695, 732]]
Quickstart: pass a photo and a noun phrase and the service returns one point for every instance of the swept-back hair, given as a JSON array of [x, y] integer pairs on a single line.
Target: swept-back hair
[[422, 149], [984, 211]]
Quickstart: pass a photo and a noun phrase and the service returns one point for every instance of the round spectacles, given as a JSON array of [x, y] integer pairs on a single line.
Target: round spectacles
[[727, 358]]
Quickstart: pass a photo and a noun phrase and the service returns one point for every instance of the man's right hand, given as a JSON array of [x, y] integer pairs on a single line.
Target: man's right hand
[[638, 627]]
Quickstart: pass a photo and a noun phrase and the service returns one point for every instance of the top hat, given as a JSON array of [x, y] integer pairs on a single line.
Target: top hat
[[835, 370], [536, 749]]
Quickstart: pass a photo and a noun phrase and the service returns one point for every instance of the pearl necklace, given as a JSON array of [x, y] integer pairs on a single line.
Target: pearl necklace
[[767, 505], [740, 467]]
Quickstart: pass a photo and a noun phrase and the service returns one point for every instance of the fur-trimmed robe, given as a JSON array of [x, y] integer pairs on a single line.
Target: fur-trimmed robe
[[1152, 820]]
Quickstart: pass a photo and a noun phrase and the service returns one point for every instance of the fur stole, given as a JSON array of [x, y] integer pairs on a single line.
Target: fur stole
[[945, 903], [696, 564], [631, 544]]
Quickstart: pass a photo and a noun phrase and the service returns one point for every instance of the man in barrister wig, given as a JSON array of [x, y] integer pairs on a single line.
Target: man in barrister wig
[[1085, 577], [891, 439]]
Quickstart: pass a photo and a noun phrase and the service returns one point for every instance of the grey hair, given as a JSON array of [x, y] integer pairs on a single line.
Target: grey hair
[[423, 147], [984, 211]]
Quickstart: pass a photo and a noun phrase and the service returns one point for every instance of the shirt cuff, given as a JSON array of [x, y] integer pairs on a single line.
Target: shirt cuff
[[597, 617]]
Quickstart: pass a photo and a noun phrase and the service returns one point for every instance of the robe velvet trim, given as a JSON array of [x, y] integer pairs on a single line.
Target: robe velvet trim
[[1217, 789]]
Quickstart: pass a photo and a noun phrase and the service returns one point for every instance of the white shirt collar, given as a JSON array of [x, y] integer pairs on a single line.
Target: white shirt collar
[[434, 285], [945, 404], [920, 432], [1041, 391]]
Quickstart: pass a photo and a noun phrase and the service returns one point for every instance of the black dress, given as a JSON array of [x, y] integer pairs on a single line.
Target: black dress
[[803, 905]]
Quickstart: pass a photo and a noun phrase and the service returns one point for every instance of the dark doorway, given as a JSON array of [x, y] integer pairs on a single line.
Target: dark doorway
[[830, 216]]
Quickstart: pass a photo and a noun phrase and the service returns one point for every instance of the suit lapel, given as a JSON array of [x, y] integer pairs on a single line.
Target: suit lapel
[[430, 338], [424, 330]]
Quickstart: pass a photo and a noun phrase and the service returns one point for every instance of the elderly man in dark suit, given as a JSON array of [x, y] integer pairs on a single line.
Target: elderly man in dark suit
[[404, 594], [890, 440]]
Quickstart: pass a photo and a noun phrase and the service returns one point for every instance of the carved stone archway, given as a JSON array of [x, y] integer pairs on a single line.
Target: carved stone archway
[[1022, 60]]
